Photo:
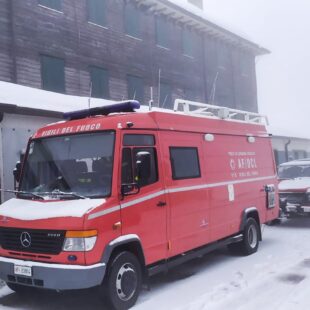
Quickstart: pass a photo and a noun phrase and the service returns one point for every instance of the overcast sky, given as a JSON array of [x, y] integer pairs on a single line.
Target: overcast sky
[[283, 27]]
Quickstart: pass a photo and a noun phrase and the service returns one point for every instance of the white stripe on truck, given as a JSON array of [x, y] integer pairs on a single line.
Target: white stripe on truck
[[174, 190]]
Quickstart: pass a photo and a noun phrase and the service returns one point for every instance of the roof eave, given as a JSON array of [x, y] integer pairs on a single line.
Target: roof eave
[[183, 16]]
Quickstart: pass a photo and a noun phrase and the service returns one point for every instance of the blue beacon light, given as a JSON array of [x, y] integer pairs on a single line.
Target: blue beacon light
[[123, 106]]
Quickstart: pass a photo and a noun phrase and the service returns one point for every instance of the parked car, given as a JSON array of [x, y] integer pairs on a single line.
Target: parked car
[[294, 187]]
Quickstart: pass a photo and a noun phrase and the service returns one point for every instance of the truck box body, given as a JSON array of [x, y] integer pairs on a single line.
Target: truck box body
[[204, 175]]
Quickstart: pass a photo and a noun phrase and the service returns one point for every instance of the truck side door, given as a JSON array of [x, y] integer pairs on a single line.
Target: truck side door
[[144, 213], [189, 214]]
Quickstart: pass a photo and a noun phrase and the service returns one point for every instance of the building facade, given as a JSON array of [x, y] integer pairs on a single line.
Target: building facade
[[119, 49], [290, 148]]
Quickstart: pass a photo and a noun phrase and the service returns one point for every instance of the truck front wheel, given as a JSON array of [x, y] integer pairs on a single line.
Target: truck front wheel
[[123, 281]]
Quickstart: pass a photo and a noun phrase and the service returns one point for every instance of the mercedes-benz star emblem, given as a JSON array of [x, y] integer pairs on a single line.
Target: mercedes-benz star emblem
[[25, 239]]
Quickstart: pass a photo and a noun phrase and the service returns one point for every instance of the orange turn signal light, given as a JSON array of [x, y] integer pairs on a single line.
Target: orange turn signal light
[[81, 234]]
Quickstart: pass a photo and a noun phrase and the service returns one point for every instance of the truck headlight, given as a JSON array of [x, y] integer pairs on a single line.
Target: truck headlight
[[80, 241]]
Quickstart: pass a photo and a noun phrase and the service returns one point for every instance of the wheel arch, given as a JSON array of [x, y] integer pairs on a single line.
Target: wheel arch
[[130, 243], [251, 212]]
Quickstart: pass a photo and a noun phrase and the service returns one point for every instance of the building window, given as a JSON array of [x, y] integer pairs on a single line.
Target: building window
[[184, 163], [97, 12], [190, 42], [99, 82], [162, 31], [132, 20], [135, 88], [165, 98], [198, 3], [52, 4], [246, 65], [53, 74]]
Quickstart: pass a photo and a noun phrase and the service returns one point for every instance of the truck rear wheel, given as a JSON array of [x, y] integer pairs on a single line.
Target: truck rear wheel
[[250, 242], [122, 284]]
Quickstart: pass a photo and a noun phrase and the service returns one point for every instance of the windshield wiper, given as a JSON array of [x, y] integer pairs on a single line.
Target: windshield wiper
[[61, 193], [22, 193]]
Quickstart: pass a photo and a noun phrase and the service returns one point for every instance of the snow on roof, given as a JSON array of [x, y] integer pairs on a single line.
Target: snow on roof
[[184, 4], [288, 132], [32, 98], [298, 162]]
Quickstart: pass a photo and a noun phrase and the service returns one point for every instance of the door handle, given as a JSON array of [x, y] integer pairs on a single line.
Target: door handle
[[161, 204]]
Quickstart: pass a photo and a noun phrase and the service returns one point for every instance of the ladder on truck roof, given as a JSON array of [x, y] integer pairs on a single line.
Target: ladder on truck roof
[[209, 110]]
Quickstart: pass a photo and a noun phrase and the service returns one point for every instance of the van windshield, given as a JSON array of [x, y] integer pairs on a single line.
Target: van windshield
[[294, 171], [68, 167]]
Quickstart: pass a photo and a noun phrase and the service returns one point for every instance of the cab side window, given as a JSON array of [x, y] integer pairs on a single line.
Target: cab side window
[[127, 176], [139, 163]]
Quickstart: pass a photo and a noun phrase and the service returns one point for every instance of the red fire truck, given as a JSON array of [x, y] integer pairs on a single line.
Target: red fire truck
[[111, 196]]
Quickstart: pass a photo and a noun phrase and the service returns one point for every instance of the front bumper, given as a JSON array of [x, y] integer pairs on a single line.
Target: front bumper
[[53, 276], [296, 209]]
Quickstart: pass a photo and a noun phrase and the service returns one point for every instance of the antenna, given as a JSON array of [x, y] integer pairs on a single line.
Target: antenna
[[165, 101], [90, 93], [212, 95], [159, 77], [151, 100]]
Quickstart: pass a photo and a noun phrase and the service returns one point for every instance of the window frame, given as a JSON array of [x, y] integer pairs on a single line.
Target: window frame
[[137, 134], [138, 146], [57, 9], [174, 177], [130, 79], [112, 188], [42, 56], [103, 23], [107, 95], [133, 151], [167, 26], [138, 34]]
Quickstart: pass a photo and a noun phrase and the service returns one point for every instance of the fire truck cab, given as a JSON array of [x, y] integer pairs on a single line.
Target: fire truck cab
[[111, 196]]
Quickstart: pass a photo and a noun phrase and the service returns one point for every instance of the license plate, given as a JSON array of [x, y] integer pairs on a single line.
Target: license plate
[[22, 270]]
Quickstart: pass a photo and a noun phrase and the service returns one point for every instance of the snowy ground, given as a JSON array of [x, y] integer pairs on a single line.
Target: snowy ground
[[276, 277]]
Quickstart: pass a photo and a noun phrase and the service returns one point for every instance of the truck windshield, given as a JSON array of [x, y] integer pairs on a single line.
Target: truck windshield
[[70, 167], [294, 171]]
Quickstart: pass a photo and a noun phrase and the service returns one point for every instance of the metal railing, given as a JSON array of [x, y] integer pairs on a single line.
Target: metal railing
[[209, 110]]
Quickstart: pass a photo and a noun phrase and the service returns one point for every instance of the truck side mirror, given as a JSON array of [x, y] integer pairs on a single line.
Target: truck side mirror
[[143, 166], [130, 189], [17, 171]]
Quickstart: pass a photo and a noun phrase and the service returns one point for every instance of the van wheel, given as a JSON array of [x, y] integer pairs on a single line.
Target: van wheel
[[250, 242], [122, 284]]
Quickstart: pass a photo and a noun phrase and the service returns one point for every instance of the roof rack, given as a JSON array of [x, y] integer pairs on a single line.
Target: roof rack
[[209, 110]]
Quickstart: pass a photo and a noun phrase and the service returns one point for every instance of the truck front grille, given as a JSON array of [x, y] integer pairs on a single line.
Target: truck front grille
[[32, 240], [294, 198]]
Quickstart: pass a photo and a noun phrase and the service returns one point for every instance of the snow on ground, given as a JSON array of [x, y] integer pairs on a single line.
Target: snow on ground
[[276, 277]]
